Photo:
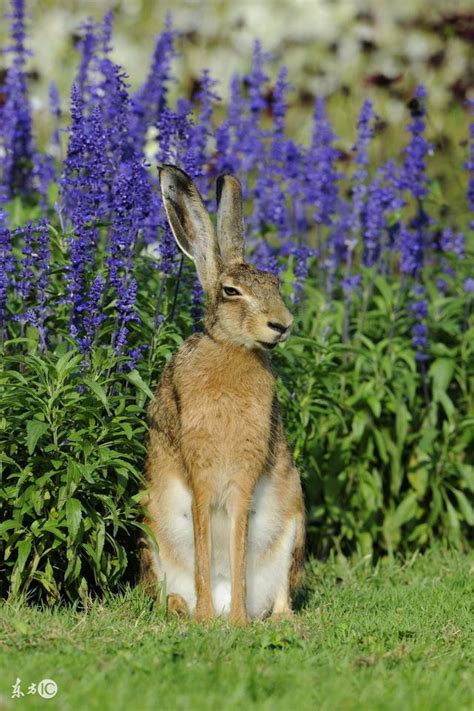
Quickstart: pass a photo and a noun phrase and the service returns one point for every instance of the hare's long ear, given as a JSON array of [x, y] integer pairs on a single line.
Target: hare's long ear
[[230, 220], [191, 224]]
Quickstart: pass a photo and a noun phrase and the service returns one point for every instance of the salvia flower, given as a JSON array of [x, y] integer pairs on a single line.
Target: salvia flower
[[419, 331], [34, 276], [301, 256], [251, 135], [469, 165], [411, 250], [197, 305], [128, 297], [7, 264], [413, 177], [451, 241], [383, 202], [92, 315], [200, 132], [256, 79], [130, 201], [18, 33], [373, 223], [279, 107], [25, 281], [17, 150], [205, 97], [150, 100], [469, 285], [270, 197], [86, 184], [322, 190], [88, 43], [361, 158], [230, 133], [55, 109], [264, 257], [350, 283], [134, 355]]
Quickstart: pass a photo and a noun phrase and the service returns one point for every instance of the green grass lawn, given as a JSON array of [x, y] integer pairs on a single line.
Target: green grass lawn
[[398, 636]]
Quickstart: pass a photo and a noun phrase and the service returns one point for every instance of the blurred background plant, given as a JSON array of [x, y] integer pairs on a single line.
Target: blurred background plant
[[343, 49], [366, 219]]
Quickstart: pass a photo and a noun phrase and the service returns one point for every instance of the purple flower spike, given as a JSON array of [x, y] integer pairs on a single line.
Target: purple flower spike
[[18, 34], [7, 261], [350, 284], [197, 305], [17, 151], [452, 242], [34, 276], [92, 315], [55, 108], [469, 165], [256, 79], [150, 101], [413, 178], [229, 134], [201, 131], [87, 45], [322, 192], [419, 330], [365, 132], [130, 203]]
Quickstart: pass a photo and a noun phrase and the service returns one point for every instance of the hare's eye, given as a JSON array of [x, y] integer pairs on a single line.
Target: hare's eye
[[230, 291]]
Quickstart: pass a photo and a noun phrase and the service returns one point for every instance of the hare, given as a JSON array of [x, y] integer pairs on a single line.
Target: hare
[[224, 500]]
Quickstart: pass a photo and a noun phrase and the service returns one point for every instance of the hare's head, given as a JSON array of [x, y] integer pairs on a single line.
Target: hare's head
[[244, 305]]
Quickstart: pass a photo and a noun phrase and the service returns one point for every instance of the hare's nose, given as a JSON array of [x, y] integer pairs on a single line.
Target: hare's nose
[[277, 327]]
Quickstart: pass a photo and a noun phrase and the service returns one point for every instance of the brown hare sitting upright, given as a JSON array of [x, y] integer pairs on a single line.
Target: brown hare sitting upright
[[224, 500]]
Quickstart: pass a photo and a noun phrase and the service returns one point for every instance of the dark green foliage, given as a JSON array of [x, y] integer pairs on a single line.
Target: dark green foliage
[[384, 443]]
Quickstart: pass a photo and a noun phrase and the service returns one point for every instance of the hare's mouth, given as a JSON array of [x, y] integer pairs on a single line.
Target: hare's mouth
[[268, 346]]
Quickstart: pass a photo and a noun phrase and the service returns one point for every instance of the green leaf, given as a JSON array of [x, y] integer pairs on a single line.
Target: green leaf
[[467, 473], [452, 516], [100, 541], [136, 379], [24, 548], [406, 510], [67, 362], [441, 371], [34, 430], [402, 418], [73, 516], [9, 525], [465, 507], [99, 391]]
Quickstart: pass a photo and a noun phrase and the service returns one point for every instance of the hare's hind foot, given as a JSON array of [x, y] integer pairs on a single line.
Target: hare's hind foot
[[280, 614], [176, 606]]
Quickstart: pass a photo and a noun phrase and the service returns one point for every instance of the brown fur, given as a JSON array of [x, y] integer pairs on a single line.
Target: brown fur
[[215, 423]]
